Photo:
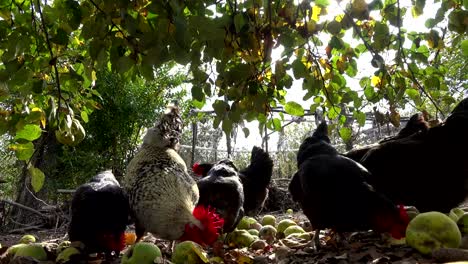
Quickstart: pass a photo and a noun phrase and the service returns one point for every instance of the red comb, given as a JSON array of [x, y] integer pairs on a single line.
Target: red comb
[[197, 169], [403, 214], [399, 229], [211, 222]]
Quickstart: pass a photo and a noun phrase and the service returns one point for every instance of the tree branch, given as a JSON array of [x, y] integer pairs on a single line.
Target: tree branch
[[413, 75], [53, 59], [24, 207]]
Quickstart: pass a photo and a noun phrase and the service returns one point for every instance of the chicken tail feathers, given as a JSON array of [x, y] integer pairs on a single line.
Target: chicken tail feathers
[[322, 129], [260, 169]]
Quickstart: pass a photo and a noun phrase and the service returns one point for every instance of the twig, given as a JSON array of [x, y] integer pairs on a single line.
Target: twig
[[450, 254], [36, 198], [24, 207], [444, 31], [21, 230]]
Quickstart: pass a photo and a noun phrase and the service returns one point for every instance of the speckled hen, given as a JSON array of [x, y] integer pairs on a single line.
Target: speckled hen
[[162, 195]]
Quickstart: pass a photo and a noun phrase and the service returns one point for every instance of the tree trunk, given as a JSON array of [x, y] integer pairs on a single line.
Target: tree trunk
[[45, 159]]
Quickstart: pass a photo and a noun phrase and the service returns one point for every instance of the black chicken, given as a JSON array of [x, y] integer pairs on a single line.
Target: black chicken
[[100, 214], [333, 193], [255, 179], [428, 169], [221, 188], [415, 124]]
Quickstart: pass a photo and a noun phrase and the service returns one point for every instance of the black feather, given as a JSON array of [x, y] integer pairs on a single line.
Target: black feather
[[255, 180], [98, 207], [222, 189]]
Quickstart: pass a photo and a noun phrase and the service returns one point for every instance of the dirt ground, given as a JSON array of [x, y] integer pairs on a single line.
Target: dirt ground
[[363, 247]]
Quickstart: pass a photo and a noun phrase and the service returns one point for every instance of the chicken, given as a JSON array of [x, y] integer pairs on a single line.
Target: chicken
[[428, 169], [162, 194], [415, 124], [221, 188], [100, 214], [255, 179], [333, 193]]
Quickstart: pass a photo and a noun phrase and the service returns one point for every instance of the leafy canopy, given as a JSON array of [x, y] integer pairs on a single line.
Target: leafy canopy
[[51, 51]]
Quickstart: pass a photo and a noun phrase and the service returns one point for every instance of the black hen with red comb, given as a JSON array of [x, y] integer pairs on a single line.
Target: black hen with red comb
[[221, 189], [100, 214], [429, 169], [415, 124], [333, 192], [255, 179]]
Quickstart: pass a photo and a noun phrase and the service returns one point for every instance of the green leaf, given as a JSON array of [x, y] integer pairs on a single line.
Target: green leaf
[[345, 133], [198, 104], [333, 112], [464, 46], [276, 124], [84, 116], [465, 4], [299, 69], [220, 107], [197, 93], [60, 38], [37, 178], [227, 125], [360, 117], [246, 132], [414, 95], [23, 151], [430, 23], [369, 92], [29, 132], [322, 3], [124, 64], [294, 109], [239, 22]]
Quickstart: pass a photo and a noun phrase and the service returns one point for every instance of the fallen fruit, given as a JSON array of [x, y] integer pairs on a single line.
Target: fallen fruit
[[13, 249], [283, 224], [27, 239], [258, 244], [257, 226], [34, 250], [240, 238], [463, 223], [130, 238], [63, 245], [456, 214], [269, 220], [412, 212], [142, 253], [66, 255], [432, 230], [189, 252], [253, 232], [245, 222], [306, 236], [216, 260], [289, 211], [268, 233], [293, 229]]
